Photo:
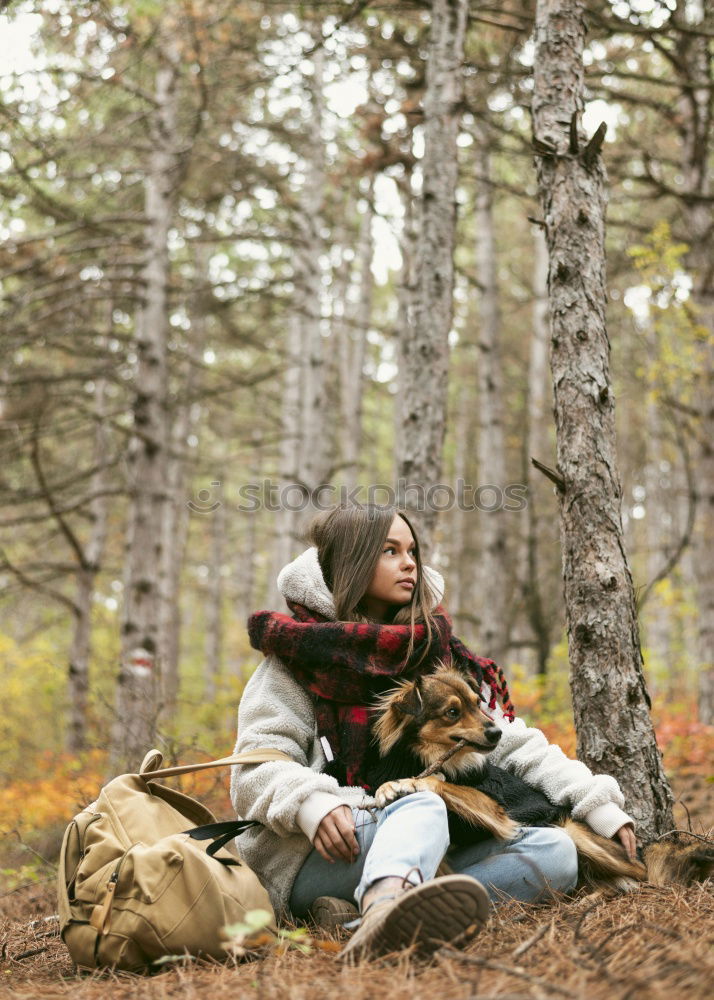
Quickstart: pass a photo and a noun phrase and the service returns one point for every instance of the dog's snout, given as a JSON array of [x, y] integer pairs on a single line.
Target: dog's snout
[[492, 734]]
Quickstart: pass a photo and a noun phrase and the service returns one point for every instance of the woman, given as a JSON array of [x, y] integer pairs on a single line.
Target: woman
[[366, 614]]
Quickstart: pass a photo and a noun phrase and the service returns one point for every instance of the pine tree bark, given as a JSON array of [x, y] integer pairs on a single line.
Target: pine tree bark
[[493, 587], [86, 580], [696, 108], [352, 349], [406, 290], [247, 557], [610, 700], [459, 568], [185, 420], [185, 415], [289, 455], [538, 446], [303, 440], [137, 705], [214, 604], [425, 344], [656, 616], [313, 437]]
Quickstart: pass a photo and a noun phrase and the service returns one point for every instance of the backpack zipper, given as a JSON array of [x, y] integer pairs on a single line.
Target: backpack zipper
[[100, 917]]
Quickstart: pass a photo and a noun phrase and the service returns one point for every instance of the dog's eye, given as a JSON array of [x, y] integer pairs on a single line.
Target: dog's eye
[[452, 713]]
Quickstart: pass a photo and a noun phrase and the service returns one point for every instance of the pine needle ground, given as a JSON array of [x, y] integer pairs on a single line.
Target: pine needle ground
[[652, 944]]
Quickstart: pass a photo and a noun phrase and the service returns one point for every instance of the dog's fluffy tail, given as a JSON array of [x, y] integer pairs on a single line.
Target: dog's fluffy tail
[[601, 859], [681, 858]]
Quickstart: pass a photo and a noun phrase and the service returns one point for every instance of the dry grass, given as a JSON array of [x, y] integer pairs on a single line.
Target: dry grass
[[650, 945]]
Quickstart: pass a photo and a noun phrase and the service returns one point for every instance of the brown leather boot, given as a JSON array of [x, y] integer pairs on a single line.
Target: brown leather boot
[[427, 916], [330, 913]]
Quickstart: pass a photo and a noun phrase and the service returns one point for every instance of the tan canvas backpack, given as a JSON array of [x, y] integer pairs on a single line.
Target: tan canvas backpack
[[145, 872]]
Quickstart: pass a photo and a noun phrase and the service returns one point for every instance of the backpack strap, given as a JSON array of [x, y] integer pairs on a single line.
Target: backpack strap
[[151, 764], [220, 834]]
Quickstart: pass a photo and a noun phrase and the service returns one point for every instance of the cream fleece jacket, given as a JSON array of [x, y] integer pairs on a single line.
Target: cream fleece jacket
[[290, 798]]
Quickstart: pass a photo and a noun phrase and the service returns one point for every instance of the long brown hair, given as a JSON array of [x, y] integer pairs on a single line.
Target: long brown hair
[[349, 539]]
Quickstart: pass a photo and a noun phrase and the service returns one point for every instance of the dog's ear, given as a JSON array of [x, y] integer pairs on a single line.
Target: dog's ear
[[410, 701], [473, 684]]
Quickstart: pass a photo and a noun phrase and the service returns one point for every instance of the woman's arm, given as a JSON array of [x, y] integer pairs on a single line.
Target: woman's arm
[[594, 798], [285, 796]]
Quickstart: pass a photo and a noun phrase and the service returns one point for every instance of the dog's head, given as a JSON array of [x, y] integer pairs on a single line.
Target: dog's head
[[432, 713]]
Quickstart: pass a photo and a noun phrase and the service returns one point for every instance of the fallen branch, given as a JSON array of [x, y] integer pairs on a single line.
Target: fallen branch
[[29, 954], [28, 885], [687, 833], [533, 939], [26, 847], [510, 970]]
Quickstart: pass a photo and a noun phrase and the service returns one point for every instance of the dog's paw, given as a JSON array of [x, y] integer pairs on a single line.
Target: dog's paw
[[390, 791]]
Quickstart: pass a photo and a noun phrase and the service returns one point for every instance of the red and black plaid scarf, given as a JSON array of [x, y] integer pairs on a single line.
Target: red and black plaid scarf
[[345, 665]]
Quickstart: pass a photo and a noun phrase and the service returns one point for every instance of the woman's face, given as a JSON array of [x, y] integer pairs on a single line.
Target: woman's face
[[395, 577]]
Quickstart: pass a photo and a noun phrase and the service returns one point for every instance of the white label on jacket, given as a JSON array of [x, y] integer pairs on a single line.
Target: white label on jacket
[[327, 749]]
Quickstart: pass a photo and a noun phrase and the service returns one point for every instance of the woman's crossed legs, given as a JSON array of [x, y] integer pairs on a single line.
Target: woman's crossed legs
[[412, 833]]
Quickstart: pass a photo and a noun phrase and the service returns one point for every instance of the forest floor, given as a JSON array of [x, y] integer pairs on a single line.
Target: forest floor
[[651, 944]]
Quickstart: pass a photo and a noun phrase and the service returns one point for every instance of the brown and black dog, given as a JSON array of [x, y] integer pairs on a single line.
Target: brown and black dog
[[420, 720]]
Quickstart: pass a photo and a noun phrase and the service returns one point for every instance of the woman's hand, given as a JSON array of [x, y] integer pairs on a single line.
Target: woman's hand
[[335, 836], [626, 836]]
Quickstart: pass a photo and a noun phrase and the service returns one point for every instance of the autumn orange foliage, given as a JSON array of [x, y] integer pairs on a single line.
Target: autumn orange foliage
[[59, 785], [65, 783], [62, 784], [686, 744]]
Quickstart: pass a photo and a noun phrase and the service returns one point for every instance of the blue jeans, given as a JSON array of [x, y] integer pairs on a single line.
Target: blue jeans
[[414, 831]]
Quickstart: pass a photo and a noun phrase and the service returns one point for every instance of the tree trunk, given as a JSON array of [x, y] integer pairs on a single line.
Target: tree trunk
[[657, 622], [303, 438], [459, 569], [86, 579], [137, 706], [313, 438], [425, 343], [610, 701], [493, 587], [406, 290], [696, 115], [538, 446], [185, 416], [185, 419], [244, 577], [353, 342], [285, 516], [214, 604], [704, 546]]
